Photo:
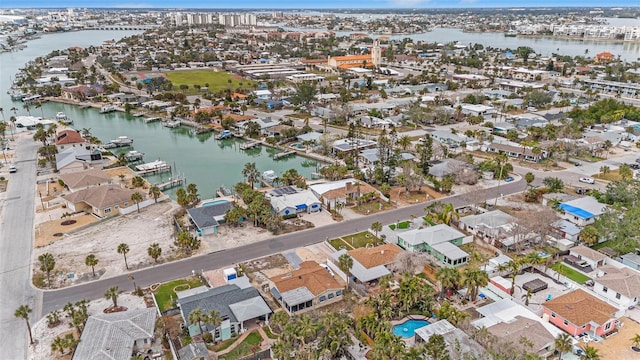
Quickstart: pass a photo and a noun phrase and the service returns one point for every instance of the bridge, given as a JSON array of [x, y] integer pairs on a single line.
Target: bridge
[[124, 27]]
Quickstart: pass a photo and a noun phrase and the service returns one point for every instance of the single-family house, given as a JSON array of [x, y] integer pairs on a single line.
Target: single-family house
[[589, 257], [307, 288], [440, 241], [237, 302], [79, 158], [488, 226], [79, 180], [517, 152], [207, 218], [310, 137], [477, 109], [578, 313], [441, 168], [369, 157], [117, 336], [631, 260], [195, 351], [618, 283], [69, 138], [495, 262], [341, 191], [566, 229], [582, 211], [289, 201], [343, 146], [458, 344], [370, 264], [263, 124], [101, 201], [509, 320]]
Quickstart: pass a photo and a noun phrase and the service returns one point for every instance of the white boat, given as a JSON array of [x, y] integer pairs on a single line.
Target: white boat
[[269, 176], [30, 99], [107, 109], [154, 165], [121, 141], [61, 116], [134, 155]]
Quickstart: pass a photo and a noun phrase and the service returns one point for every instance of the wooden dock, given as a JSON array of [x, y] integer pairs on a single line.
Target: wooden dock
[[283, 154], [171, 183], [249, 145]]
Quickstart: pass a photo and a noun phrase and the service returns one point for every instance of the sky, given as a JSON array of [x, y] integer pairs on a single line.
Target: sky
[[295, 4]]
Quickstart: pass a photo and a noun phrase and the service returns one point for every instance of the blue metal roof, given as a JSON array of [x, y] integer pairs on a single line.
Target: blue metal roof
[[576, 211]]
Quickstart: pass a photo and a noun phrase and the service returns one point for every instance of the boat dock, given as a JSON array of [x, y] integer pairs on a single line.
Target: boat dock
[[249, 145], [224, 135], [171, 183], [152, 119], [172, 124], [203, 129], [138, 114], [283, 154], [152, 168]]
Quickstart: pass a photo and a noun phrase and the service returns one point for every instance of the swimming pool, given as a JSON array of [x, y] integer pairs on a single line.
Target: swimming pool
[[215, 202], [408, 328]]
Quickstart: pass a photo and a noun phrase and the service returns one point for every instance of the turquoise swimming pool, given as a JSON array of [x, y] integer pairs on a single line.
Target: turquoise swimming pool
[[408, 328], [215, 202]]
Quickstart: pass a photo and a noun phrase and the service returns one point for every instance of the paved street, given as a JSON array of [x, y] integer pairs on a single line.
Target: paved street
[[58, 298], [16, 238]]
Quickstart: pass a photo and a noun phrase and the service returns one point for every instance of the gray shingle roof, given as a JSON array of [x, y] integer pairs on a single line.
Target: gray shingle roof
[[111, 336], [205, 216], [219, 299]]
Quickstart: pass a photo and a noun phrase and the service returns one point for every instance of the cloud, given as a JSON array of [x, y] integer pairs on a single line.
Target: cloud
[[407, 3]]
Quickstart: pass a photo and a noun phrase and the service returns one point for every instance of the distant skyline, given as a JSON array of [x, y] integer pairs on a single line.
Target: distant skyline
[[291, 4]]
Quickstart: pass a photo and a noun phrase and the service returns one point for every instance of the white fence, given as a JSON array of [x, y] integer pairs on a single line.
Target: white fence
[[143, 204]]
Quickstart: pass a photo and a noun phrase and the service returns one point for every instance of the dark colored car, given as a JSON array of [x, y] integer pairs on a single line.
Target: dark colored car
[[581, 191]]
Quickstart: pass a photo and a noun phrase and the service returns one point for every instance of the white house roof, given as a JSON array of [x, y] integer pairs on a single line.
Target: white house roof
[[297, 296], [304, 197], [492, 219], [362, 273], [322, 188], [506, 310], [450, 251], [250, 308], [431, 235]]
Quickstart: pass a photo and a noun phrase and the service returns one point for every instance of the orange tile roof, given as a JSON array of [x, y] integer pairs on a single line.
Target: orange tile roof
[[238, 96], [313, 61], [375, 256], [310, 275], [69, 137], [348, 66], [352, 57], [580, 308]]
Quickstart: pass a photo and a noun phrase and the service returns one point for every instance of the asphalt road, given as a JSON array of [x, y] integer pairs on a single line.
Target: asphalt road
[[16, 239], [56, 299]]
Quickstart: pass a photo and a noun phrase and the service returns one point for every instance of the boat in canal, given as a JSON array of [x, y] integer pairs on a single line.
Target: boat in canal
[[121, 141], [107, 109], [154, 167], [225, 134], [133, 155], [62, 117]]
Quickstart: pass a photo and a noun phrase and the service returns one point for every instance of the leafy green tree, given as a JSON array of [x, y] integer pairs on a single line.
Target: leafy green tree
[[625, 172], [91, 260], [553, 184], [589, 234], [123, 249], [529, 177], [436, 348], [449, 279]]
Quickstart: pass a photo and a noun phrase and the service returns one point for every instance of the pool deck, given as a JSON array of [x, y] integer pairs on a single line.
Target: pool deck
[[410, 317]]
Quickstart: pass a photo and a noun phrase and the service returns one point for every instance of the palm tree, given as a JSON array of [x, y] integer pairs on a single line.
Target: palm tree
[[563, 343], [214, 318], [376, 227], [47, 263], [124, 249], [345, 263], [526, 297], [404, 142], [306, 328], [589, 353], [154, 191], [197, 317], [449, 278], [112, 294], [154, 251], [23, 313], [513, 267], [250, 173], [92, 261], [136, 197], [474, 279], [59, 345]]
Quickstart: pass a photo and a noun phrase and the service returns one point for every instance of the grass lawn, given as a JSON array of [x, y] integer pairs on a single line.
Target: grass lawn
[[244, 348], [217, 80], [361, 239], [165, 292], [570, 273], [270, 335], [611, 175], [338, 244]]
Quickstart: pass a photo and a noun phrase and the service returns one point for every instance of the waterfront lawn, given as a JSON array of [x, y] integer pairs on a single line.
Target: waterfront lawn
[[244, 348], [217, 80], [572, 274], [166, 292]]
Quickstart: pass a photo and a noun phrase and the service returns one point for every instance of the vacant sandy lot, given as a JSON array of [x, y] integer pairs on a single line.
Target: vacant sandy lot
[[137, 230], [618, 346]]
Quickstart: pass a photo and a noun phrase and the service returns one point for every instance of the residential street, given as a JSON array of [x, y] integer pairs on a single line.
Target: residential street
[[16, 238], [58, 298]]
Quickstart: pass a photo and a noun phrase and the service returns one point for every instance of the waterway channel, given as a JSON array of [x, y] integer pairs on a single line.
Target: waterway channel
[[201, 159]]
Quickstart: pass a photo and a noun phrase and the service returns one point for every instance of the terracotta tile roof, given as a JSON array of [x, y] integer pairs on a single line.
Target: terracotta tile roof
[[313, 61], [352, 57], [375, 256], [580, 308], [68, 137], [310, 275], [347, 66]]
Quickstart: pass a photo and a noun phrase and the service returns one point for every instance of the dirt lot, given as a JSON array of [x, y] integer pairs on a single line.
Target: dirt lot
[[138, 230], [618, 346], [51, 231], [403, 198]]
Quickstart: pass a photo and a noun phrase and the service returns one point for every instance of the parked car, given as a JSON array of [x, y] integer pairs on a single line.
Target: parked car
[[577, 163], [581, 191], [638, 160], [634, 166], [587, 180], [508, 179], [13, 169]]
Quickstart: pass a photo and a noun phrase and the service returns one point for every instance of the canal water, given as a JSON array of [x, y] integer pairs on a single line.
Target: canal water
[[201, 159]]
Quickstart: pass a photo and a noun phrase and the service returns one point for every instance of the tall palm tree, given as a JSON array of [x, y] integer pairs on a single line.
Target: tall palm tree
[[112, 294], [154, 191], [589, 353], [513, 267], [47, 264], [196, 316], [449, 278], [474, 279], [28, 108], [92, 261], [404, 142], [306, 328], [23, 312], [124, 249], [636, 340], [136, 197], [345, 263], [154, 251], [250, 173], [214, 318], [563, 343]]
